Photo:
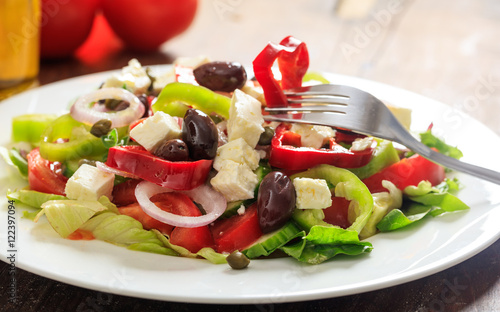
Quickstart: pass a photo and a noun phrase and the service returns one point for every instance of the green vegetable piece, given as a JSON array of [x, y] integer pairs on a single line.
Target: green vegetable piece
[[347, 185], [384, 155], [66, 216], [14, 159], [152, 248], [315, 76], [81, 142], [431, 140], [268, 243], [33, 198], [397, 219], [175, 96], [307, 218], [29, 127], [323, 243]]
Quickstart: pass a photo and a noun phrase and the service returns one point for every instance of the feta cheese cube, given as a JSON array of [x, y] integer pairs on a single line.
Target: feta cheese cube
[[313, 136], [238, 151], [245, 118], [312, 193], [133, 76], [89, 183], [155, 129], [235, 181], [359, 145]]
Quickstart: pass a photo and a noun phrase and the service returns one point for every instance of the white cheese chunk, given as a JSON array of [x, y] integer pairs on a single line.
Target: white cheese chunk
[[155, 129], [245, 118], [235, 181], [359, 144], [313, 136], [133, 76], [238, 151], [312, 193], [89, 183]]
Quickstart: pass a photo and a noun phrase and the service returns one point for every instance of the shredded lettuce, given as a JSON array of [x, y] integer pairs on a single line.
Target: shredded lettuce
[[431, 140], [14, 159], [33, 198]]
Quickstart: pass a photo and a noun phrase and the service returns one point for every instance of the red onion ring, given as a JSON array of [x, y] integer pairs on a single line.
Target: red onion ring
[[212, 202], [103, 167], [83, 112]]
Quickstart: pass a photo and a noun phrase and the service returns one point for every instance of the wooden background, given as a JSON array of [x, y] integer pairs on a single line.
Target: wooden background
[[446, 50]]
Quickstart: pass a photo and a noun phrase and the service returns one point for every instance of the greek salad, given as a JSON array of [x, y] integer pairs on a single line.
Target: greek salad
[[182, 163]]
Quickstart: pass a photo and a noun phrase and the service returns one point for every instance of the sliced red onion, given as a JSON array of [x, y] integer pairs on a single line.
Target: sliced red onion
[[84, 112], [212, 202], [103, 167]]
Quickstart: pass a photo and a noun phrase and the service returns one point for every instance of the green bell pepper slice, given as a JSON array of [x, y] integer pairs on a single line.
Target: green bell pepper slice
[[30, 127], [347, 185], [81, 143], [384, 155], [175, 98]]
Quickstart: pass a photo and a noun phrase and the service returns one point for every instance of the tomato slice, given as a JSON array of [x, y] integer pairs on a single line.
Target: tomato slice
[[45, 176], [193, 239], [238, 231], [176, 175], [124, 193], [337, 213], [406, 172]]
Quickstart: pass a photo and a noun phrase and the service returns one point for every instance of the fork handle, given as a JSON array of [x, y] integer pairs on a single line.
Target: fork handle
[[452, 163]]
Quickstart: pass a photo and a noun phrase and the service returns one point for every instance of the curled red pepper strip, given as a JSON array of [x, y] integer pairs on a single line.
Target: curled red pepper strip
[[286, 153], [293, 61]]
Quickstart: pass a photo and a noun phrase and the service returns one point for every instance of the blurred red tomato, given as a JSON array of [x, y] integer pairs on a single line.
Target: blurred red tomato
[[145, 25], [65, 25]]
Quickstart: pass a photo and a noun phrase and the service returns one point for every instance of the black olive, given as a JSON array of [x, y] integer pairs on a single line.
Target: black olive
[[200, 135], [173, 150], [101, 128], [237, 260], [221, 76], [275, 201]]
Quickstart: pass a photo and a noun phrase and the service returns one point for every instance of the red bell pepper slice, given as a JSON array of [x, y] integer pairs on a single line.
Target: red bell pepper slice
[[286, 153], [293, 61], [176, 175]]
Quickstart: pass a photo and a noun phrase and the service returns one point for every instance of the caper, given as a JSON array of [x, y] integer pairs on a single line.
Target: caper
[[237, 260], [266, 136], [111, 104], [173, 150], [101, 128], [221, 76]]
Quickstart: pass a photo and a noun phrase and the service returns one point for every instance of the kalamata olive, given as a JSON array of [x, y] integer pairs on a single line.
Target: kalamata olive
[[101, 128], [266, 136], [221, 76], [275, 201], [173, 150], [237, 260], [200, 135]]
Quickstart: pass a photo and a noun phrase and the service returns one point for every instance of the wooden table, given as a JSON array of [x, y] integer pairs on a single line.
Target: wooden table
[[446, 50]]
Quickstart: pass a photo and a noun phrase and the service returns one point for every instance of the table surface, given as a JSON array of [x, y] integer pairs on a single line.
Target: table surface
[[445, 50]]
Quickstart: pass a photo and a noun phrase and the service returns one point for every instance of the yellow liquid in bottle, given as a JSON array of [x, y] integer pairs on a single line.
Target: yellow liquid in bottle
[[19, 41]]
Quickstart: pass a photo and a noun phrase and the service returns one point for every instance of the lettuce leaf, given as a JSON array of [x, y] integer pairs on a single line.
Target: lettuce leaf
[[397, 219], [431, 140], [33, 198], [66, 216], [14, 159], [325, 242]]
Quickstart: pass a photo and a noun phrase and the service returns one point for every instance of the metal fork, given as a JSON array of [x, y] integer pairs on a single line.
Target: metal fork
[[350, 108]]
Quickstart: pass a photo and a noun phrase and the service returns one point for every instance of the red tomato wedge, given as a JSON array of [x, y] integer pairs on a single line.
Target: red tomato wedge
[[45, 176], [406, 172], [124, 193], [237, 232], [193, 239], [176, 175], [337, 213]]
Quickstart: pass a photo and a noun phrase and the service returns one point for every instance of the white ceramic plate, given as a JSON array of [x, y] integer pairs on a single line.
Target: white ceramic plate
[[398, 257]]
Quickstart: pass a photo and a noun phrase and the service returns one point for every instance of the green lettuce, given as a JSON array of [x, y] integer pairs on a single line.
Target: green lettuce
[[325, 242], [14, 159], [431, 140], [33, 198]]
